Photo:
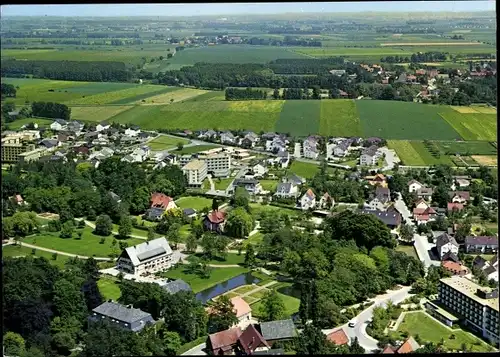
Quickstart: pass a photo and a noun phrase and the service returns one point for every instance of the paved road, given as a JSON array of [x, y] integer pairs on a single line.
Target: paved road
[[195, 351], [390, 160], [92, 225], [403, 209]]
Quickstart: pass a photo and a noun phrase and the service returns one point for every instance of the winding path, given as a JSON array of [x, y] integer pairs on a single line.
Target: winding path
[[62, 253]]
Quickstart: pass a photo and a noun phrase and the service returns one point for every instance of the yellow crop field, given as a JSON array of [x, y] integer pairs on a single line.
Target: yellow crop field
[[270, 106], [177, 96], [486, 160], [464, 110]]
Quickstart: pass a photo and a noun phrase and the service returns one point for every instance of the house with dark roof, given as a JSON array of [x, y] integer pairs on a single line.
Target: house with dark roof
[[449, 256], [446, 244], [154, 214], [286, 190], [102, 126], [189, 212], [391, 219], [175, 286], [425, 193], [252, 186], [50, 143], [148, 257], [462, 197], [251, 341], [279, 330], [296, 179], [380, 199], [223, 342], [214, 221], [369, 156], [124, 316], [481, 244]]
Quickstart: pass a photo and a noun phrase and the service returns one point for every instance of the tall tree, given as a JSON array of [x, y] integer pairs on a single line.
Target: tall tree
[[272, 307], [103, 225], [222, 314], [250, 258]]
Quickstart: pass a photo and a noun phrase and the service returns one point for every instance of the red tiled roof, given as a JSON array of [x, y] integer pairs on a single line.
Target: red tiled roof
[[251, 339], [453, 267], [453, 205], [216, 216], [408, 346], [338, 337], [225, 338], [160, 200], [388, 349], [241, 307]]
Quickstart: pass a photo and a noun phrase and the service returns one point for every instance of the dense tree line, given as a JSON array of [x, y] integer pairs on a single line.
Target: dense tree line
[[287, 41], [50, 110], [67, 70], [8, 90], [307, 66], [244, 94]]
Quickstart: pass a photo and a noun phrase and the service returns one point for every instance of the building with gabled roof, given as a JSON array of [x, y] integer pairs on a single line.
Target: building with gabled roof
[[251, 341], [308, 200], [408, 346], [223, 342], [446, 244], [124, 316], [279, 330], [214, 221], [175, 286], [148, 257], [339, 337]]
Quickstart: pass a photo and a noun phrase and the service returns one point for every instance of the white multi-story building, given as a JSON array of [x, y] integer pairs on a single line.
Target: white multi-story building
[[219, 164], [148, 257], [195, 171]]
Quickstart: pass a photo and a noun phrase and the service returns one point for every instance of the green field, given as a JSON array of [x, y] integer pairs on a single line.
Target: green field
[[109, 288], [304, 169], [473, 126], [466, 147], [195, 202], [17, 124], [122, 96], [223, 183], [300, 117], [19, 251], [88, 246], [339, 117], [228, 54], [403, 120], [102, 112], [430, 330], [269, 185], [164, 142]]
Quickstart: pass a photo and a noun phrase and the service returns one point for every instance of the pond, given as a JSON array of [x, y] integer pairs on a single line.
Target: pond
[[221, 288]]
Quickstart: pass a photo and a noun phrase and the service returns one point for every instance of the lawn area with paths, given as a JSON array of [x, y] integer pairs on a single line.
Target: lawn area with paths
[[18, 251]]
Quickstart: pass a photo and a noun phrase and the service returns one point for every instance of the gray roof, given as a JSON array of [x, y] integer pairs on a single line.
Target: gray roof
[[244, 181], [371, 151], [383, 194], [479, 262], [388, 218], [176, 286], [281, 329], [443, 239], [450, 256], [154, 212], [295, 179], [147, 250], [272, 351], [49, 142], [188, 211], [61, 121], [120, 312], [284, 187]]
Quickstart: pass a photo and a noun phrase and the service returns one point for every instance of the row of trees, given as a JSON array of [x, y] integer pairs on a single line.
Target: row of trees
[[417, 57], [50, 110], [245, 94], [67, 70]]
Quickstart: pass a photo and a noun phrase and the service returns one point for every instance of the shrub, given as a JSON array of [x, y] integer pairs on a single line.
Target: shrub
[[102, 241]]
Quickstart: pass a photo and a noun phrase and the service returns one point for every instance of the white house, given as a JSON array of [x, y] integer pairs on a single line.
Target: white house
[[369, 156], [259, 170], [381, 199], [132, 132], [326, 201], [308, 200], [59, 124], [148, 257], [287, 190], [276, 144], [283, 159], [446, 243], [102, 126], [310, 148], [227, 137], [414, 186]]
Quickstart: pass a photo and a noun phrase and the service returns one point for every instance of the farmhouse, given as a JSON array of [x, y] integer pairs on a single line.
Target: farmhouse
[[123, 316], [414, 186], [462, 197], [277, 331], [223, 342], [160, 200], [423, 212], [146, 258], [326, 201], [381, 199]]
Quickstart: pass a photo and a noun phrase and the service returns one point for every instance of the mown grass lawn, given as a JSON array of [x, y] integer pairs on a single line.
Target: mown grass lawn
[[254, 239], [109, 288], [291, 305], [222, 184], [20, 251], [195, 202], [164, 142], [430, 330], [198, 284], [89, 245], [408, 250], [269, 185], [304, 169], [231, 259]]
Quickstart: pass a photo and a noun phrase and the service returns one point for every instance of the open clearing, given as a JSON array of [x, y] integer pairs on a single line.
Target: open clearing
[[339, 117], [406, 152], [304, 169], [299, 117], [163, 142], [404, 120], [473, 126], [109, 288], [17, 124], [98, 112], [197, 203], [486, 160]]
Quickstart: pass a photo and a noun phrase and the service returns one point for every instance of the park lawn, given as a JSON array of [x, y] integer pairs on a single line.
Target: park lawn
[[223, 183], [404, 120], [103, 112], [17, 124], [304, 169], [254, 239], [140, 221], [19, 251], [299, 117], [269, 185], [194, 149], [109, 288], [231, 259], [339, 117], [473, 126], [198, 284], [430, 330], [291, 305], [257, 208], [408, 250], [195, 202], [163, 142], [87, 246]]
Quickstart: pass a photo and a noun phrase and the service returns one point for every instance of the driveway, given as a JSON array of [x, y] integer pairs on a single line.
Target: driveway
[[391, 158], [195, 351], [400, 205]]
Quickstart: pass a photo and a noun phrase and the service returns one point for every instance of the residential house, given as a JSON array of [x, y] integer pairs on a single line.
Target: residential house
[[287, 190], [252, 186], [338, 72], [377, 180], [50, 143], [343, 94], [414, 186], [18, 199], [425, 193], [75, 126], [460, 182], [243, 311], [102, 141], [283, 159], [277, 144], [252, 138], [223, 342], [175, 286], [277, 331], [259, 170], [102, 126], [381, 199], [132, 132], [59, 124], [209, 134], [455, 207], [339, 337], [251, 341], [409, 346], [310, 148], [308, 200], [160, 200], [489, 268], [215, 221], [189, 212], [455, 268], [451, 257], [166, 157], [446, 244], [342, 148], [227, 138], [154, 214], [369, 156], [326, 201], [123, 316], [481, 244], [423, 212], [391, 219], [295, 179], [146, 258], [462, 197]]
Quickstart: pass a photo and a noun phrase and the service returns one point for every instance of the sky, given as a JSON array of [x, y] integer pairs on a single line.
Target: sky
[[241, 8]]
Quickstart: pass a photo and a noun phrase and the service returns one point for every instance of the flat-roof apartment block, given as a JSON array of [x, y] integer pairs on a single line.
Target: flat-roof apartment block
[[477, 306], [14, 146], [196, 172], [219, 165]]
